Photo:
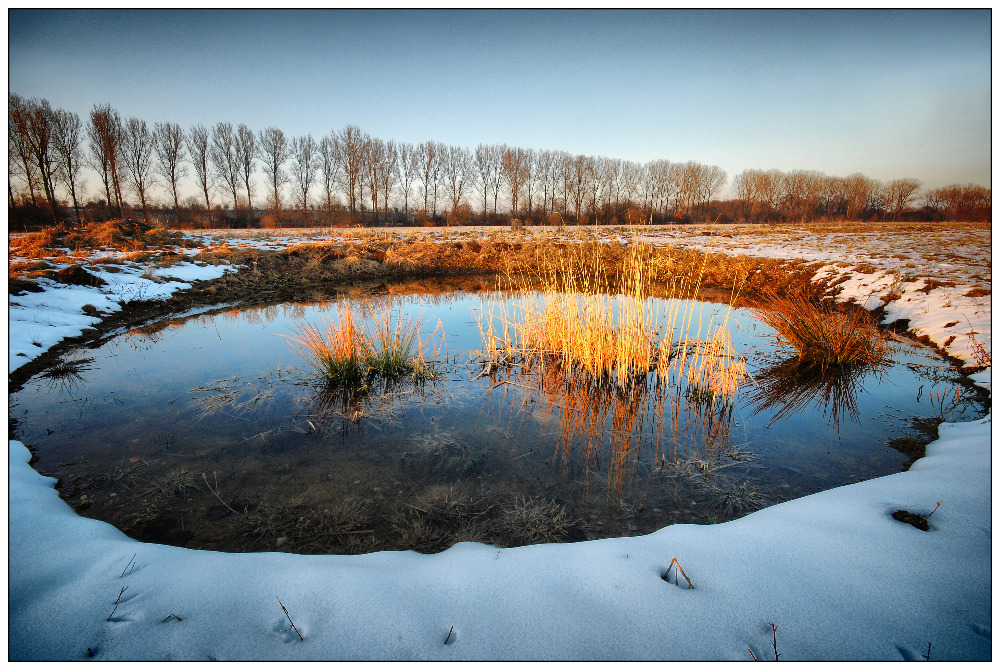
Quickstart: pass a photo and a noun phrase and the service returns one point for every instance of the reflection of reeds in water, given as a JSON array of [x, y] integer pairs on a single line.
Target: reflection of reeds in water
[[790, 386], [834, 352], [68, 374], [613, 367]]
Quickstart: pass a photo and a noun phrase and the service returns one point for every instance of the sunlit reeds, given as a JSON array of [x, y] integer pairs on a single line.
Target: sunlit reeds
[[381, 344], [822, 335], [617, 367]]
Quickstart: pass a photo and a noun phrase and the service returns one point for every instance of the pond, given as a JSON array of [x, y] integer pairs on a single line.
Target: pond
[[209, 431]]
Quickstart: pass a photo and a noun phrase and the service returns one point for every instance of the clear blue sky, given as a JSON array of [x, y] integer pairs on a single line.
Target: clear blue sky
[[888, 93]]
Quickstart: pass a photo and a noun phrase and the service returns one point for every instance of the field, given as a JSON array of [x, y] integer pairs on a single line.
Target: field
[[837, 575]]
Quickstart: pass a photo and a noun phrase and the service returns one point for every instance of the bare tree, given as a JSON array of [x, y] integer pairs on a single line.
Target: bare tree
[[198, 149], [67, 136], [528, 163], [275, 150], [487, 158], [408, 168], [857, 191], [457, 166], [712, 179], [222, 154], [543, 175], [691, 175], [39, 141], [168, 139], [899, 193], [138, 147], [246, 154], [577, 180], [387, 173], [18, 147], [429, 169], [106, 132], [329, 161], [305, 165], [515, 174], [351, 141], [629, 181]]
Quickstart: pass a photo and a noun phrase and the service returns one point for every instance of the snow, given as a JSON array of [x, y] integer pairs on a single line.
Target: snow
[[37, 321], [838, 576]]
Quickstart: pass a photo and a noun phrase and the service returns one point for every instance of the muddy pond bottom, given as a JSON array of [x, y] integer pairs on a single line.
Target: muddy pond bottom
[[209, 431]]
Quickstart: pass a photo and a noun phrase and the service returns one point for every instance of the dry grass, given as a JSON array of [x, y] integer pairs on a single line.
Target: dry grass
[[346, 353], [604, 326], [823, 336], [618, 369]]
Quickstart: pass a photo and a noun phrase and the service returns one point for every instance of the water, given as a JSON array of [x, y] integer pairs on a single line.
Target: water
[[207, 432]]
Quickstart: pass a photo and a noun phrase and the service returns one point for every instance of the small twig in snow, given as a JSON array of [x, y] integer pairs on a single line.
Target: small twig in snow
[[449, 635], [130, 563], [774, 634], [928, 654], [289, 619], [751, 653], [117, 603], [172, 616], [934, 510], [666, 575]]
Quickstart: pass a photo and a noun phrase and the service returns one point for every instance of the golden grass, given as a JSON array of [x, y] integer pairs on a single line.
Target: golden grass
[[617, 367], [345, 353], [822, 335]]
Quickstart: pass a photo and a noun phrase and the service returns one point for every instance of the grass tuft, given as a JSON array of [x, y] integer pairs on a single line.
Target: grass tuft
[[347, 354], [823, 336]]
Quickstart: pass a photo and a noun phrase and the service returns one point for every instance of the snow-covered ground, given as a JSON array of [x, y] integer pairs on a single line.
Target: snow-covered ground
[[834, 572]]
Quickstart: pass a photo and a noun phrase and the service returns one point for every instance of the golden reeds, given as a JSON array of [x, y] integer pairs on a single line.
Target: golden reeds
[[823, 336], [617, 367], [346, 353]]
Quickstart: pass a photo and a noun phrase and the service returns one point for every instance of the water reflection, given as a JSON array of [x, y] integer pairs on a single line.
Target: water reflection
[[623, 432], [67, 375], [522, 453], [790, 387]]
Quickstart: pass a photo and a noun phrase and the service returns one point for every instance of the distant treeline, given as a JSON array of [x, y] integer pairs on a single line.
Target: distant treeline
[[248, 179]]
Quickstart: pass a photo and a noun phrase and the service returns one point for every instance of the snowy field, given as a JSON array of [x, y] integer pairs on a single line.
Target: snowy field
[[834, 572]]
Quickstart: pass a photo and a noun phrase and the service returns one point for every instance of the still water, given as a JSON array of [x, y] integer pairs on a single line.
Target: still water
[[208, 431]]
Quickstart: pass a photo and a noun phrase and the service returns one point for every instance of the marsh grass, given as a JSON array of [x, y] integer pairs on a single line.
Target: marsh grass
[[618, 370], [379, 345], [823, 336]]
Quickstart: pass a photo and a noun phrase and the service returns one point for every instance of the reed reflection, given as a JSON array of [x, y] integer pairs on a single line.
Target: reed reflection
[[791, 386]]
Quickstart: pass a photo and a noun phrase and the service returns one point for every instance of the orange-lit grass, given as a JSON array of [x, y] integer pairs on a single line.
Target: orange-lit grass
[[610, 331], [822, 336], [347, 354], [611, 363]]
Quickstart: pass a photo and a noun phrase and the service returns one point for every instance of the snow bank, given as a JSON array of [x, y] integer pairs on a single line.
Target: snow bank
[[834, 571], [838, 576], [37, 321]]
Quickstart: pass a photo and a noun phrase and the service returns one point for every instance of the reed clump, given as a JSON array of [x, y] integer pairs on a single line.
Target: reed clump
[[604, 326], [620, 368], [380, 344], [823, 336]]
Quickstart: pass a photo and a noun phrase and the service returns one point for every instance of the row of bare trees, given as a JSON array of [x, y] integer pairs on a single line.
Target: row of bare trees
[[369, 179], [803, 195]]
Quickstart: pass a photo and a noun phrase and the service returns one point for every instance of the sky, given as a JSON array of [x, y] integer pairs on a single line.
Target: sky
[[889, 93]]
